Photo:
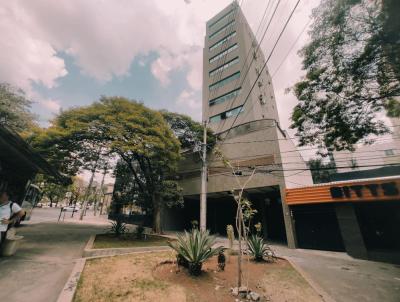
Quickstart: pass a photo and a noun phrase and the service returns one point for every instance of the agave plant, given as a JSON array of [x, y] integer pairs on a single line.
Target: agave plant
[[118, 228], [195, 247], [259, 249]]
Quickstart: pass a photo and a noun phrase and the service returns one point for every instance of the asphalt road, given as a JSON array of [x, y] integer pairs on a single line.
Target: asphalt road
[[44, 261]]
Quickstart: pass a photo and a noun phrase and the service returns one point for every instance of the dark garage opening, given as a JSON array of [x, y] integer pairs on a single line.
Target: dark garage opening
[[380, 225], [317, 227]]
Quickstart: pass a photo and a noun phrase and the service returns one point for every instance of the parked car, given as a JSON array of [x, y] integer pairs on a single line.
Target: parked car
[[70, 209]]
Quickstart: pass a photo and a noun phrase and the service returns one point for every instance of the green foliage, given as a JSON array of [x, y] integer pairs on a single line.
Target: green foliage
[[258, 228], [139, 232], [189, 132], [353, 71], [15, 109], [172, 193], [321, 172], [87, 137], [52, 191], [259, 249], [247, 210], [195, 247], [118, 228]]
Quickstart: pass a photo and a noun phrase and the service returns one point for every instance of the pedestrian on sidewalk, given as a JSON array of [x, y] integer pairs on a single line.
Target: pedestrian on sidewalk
[[10, 212]]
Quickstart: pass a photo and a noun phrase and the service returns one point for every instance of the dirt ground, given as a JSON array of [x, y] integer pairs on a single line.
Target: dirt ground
[[152, 277]]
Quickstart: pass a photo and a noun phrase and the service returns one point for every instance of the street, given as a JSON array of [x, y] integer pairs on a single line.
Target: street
[[45, 258]]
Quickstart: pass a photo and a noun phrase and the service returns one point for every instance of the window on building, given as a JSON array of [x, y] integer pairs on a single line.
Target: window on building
[[225, 27], [225, 81], [225, 97], [225, 66], [222, 18], [223, 53], [227, 114], [222, 41], [389, 152]]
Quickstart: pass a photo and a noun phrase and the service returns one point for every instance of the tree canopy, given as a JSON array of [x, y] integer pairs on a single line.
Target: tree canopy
[[188, 131], [81, 138], [15, 109], [353, 73]]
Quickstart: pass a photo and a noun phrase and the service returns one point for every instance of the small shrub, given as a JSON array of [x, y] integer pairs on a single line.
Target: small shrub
[[195, 247], [139, 232], [118, 228], [259, 249], [221, 260], [195, 224], [181, 261]]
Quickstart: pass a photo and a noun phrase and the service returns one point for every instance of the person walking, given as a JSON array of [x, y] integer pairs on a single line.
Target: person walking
[[10, 212]]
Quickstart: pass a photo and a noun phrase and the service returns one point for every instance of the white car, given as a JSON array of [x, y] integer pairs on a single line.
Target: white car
[[70, 209]]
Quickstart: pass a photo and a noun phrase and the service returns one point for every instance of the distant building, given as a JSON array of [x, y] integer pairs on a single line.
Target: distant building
[[246, 121]]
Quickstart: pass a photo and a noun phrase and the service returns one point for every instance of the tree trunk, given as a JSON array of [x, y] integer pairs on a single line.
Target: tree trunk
[[156, 214]]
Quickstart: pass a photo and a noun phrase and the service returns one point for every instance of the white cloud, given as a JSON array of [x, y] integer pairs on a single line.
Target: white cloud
[[189, 102], [104, 37], [53, 106]]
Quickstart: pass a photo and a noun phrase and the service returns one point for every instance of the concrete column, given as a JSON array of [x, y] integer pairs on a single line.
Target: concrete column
[[350, 229], [289, 223], [264, 219]]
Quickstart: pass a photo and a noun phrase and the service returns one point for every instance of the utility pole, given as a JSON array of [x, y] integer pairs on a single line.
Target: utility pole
[[203, 194]]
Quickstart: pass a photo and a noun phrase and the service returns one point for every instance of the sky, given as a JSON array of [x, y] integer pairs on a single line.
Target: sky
[[68, 53]]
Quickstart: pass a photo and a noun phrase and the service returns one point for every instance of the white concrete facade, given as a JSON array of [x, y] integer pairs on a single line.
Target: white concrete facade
[[255, 138]]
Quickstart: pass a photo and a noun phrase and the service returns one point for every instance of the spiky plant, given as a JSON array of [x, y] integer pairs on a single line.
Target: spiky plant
[[118, 228], [195, 247], [259, 249]]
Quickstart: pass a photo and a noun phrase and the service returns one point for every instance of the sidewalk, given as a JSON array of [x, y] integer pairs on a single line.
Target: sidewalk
[[343, 277]]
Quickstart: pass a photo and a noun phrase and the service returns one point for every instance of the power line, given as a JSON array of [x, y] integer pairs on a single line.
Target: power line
[[285, 139], [299, 169], [265, 64], [291, 48], [251, 62]]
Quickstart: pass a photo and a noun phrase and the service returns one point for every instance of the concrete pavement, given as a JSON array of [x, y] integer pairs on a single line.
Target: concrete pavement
[[347, 279], [343, 277], [42, 265]]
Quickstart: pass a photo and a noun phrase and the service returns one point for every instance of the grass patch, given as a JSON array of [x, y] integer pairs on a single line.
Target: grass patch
[[106, 241]]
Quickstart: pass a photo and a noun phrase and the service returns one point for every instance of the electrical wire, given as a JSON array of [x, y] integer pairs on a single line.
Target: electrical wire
[[265, 64]]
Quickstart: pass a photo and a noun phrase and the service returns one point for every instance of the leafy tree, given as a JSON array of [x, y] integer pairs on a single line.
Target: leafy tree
[[76, 189], [15, 109], [188, 131], [74, 141], [353, 72], [321, 172], [52, 191], [144, 141]]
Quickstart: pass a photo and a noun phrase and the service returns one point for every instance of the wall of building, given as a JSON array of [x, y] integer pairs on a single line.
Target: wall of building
[[367, 157]]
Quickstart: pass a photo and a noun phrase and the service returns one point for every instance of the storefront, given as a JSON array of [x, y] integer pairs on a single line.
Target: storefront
[[361, 217]]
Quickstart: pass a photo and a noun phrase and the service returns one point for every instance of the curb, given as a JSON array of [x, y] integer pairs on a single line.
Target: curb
[[89, 245], [68, 292], [321, 292], [89, 252], [122, 251]]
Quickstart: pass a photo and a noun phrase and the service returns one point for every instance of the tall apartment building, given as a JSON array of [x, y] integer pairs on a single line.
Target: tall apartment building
[[246, 121]]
